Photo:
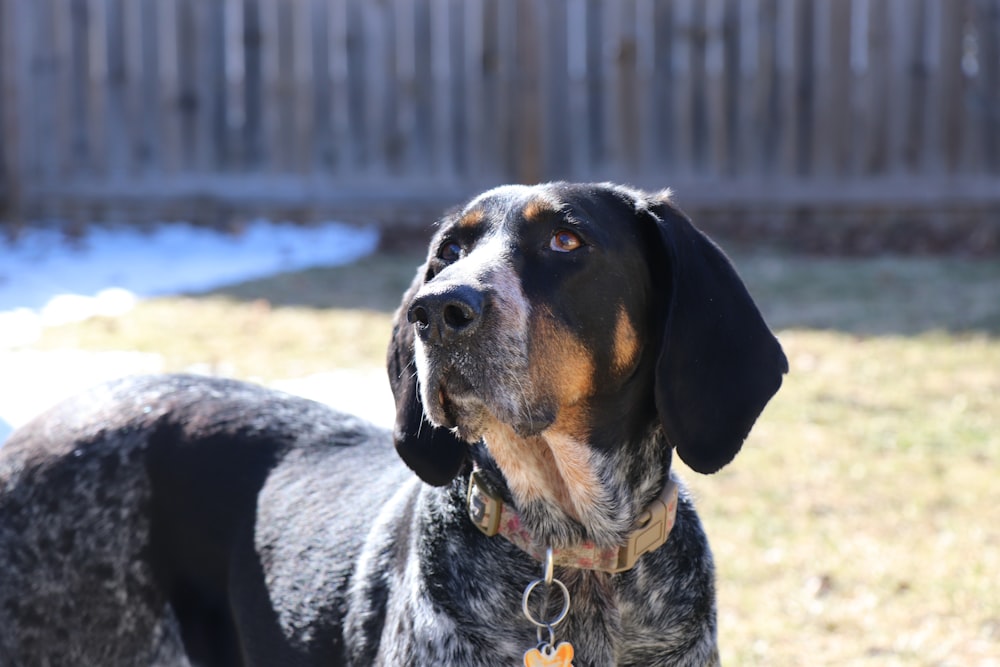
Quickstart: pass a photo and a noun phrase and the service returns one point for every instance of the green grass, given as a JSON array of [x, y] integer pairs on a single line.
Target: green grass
[[861, 524]]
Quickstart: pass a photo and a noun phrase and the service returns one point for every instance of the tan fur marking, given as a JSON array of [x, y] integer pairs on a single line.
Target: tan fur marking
[[526, 463], [626, 343], [472, 218], [535, 209], [553, 467], [580, 490], [561, 364]]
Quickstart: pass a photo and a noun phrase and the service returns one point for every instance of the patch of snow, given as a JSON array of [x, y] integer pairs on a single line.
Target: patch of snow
[[45, 281], [33, 380], [361, 392]]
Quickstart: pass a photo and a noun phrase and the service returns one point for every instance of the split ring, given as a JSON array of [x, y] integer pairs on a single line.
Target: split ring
[[562, 613]]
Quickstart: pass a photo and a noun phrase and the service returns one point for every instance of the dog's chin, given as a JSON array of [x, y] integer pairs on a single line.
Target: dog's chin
[[470, 417]]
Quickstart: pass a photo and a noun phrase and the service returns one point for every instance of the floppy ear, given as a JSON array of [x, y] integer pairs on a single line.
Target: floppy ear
[[433, 453], [719, 364]]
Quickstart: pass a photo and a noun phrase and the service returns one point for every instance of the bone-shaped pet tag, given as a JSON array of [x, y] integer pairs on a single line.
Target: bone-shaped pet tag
[[549, 656]]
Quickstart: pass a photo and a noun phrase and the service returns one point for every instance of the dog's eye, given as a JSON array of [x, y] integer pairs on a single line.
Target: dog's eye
[[450, 251], [565, 241]]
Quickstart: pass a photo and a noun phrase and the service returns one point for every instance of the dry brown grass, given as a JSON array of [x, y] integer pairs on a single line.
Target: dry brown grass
[[861, 525]]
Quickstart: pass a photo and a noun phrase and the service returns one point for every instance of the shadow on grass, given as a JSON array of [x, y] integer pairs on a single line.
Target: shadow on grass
[[374, 283], [889, 295], [875, 295]]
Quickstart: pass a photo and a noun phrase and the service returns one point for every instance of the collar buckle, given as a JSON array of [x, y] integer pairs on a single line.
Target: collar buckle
[[651, 530], [485, 508]]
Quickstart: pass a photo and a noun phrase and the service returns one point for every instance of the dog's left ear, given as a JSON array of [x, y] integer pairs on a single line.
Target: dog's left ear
[[719, 364], [433, 453]]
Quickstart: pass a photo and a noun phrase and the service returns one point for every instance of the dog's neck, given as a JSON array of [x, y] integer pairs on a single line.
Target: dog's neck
[[551, 482], [494, 517]]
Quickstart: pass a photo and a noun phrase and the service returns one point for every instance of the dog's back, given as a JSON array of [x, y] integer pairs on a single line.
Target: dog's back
[[169, 496]]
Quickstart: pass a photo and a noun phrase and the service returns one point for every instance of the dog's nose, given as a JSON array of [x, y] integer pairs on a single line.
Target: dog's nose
[[446, 316]]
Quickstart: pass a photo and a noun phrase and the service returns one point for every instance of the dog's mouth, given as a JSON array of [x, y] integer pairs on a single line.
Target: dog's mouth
[[453, 401]]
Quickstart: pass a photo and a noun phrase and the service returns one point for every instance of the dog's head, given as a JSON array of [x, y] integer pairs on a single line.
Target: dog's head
[[583, 312]]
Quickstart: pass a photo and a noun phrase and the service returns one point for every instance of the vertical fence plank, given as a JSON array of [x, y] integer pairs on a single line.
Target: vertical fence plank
[[767, 109], [899, 32], [619, 55], [786, 79], [979, 63], [44, 65], [907, 21], [233, 74], [473, 162], [147, 89], [97, 47], [187, 80], [252, 135], [577, 151], [683, 77], [284, 85], [10, 121], [447, 25], [645, 68], [374, 80], [804, 45], [303, 120], [950, 84], [117, 120], [594, 90], [989, 40], [444, 119], [408, 122], [63, 88], [972, 111], [338, 85], [503, 28], [269, 87], [931, 163], [836, 129], [169, 87], [526, 129], [731, 82], [750, 74], [716, 98], [555, 85]]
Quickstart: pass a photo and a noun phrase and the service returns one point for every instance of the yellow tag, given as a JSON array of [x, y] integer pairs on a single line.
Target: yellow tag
[[560, 656]]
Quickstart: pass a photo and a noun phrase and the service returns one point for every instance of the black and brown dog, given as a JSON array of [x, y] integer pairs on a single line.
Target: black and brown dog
[[558, 344]]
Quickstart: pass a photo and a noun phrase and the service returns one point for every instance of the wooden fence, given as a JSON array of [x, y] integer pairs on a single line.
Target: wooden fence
[[147, 108]]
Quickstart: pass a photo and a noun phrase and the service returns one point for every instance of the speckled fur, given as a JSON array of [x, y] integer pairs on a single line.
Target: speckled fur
[[188, 521]]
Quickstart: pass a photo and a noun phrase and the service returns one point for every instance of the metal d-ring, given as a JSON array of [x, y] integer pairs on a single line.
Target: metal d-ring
[[548, 579], [547, 567]]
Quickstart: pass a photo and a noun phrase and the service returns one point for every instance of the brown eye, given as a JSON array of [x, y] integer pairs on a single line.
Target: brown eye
[[450, 251], [565, 241]]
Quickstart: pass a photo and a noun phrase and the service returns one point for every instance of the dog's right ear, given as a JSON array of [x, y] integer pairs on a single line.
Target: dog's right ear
[[435, 454]]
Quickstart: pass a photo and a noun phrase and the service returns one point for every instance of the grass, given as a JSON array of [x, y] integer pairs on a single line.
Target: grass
[[287, 326], [861, 524]]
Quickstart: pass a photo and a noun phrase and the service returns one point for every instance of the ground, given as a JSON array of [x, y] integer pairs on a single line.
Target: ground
[[861, 523]]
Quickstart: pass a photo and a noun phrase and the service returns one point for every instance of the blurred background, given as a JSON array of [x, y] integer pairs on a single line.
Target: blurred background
[[758, 112], [245, 187]]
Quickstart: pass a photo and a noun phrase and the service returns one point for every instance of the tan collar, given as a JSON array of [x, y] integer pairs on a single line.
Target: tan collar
[[492, 516]]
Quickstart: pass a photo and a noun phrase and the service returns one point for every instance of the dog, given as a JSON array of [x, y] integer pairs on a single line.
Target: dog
[[560, 342]]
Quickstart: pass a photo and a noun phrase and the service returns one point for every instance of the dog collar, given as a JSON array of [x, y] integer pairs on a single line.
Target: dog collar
[[494, 517]]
